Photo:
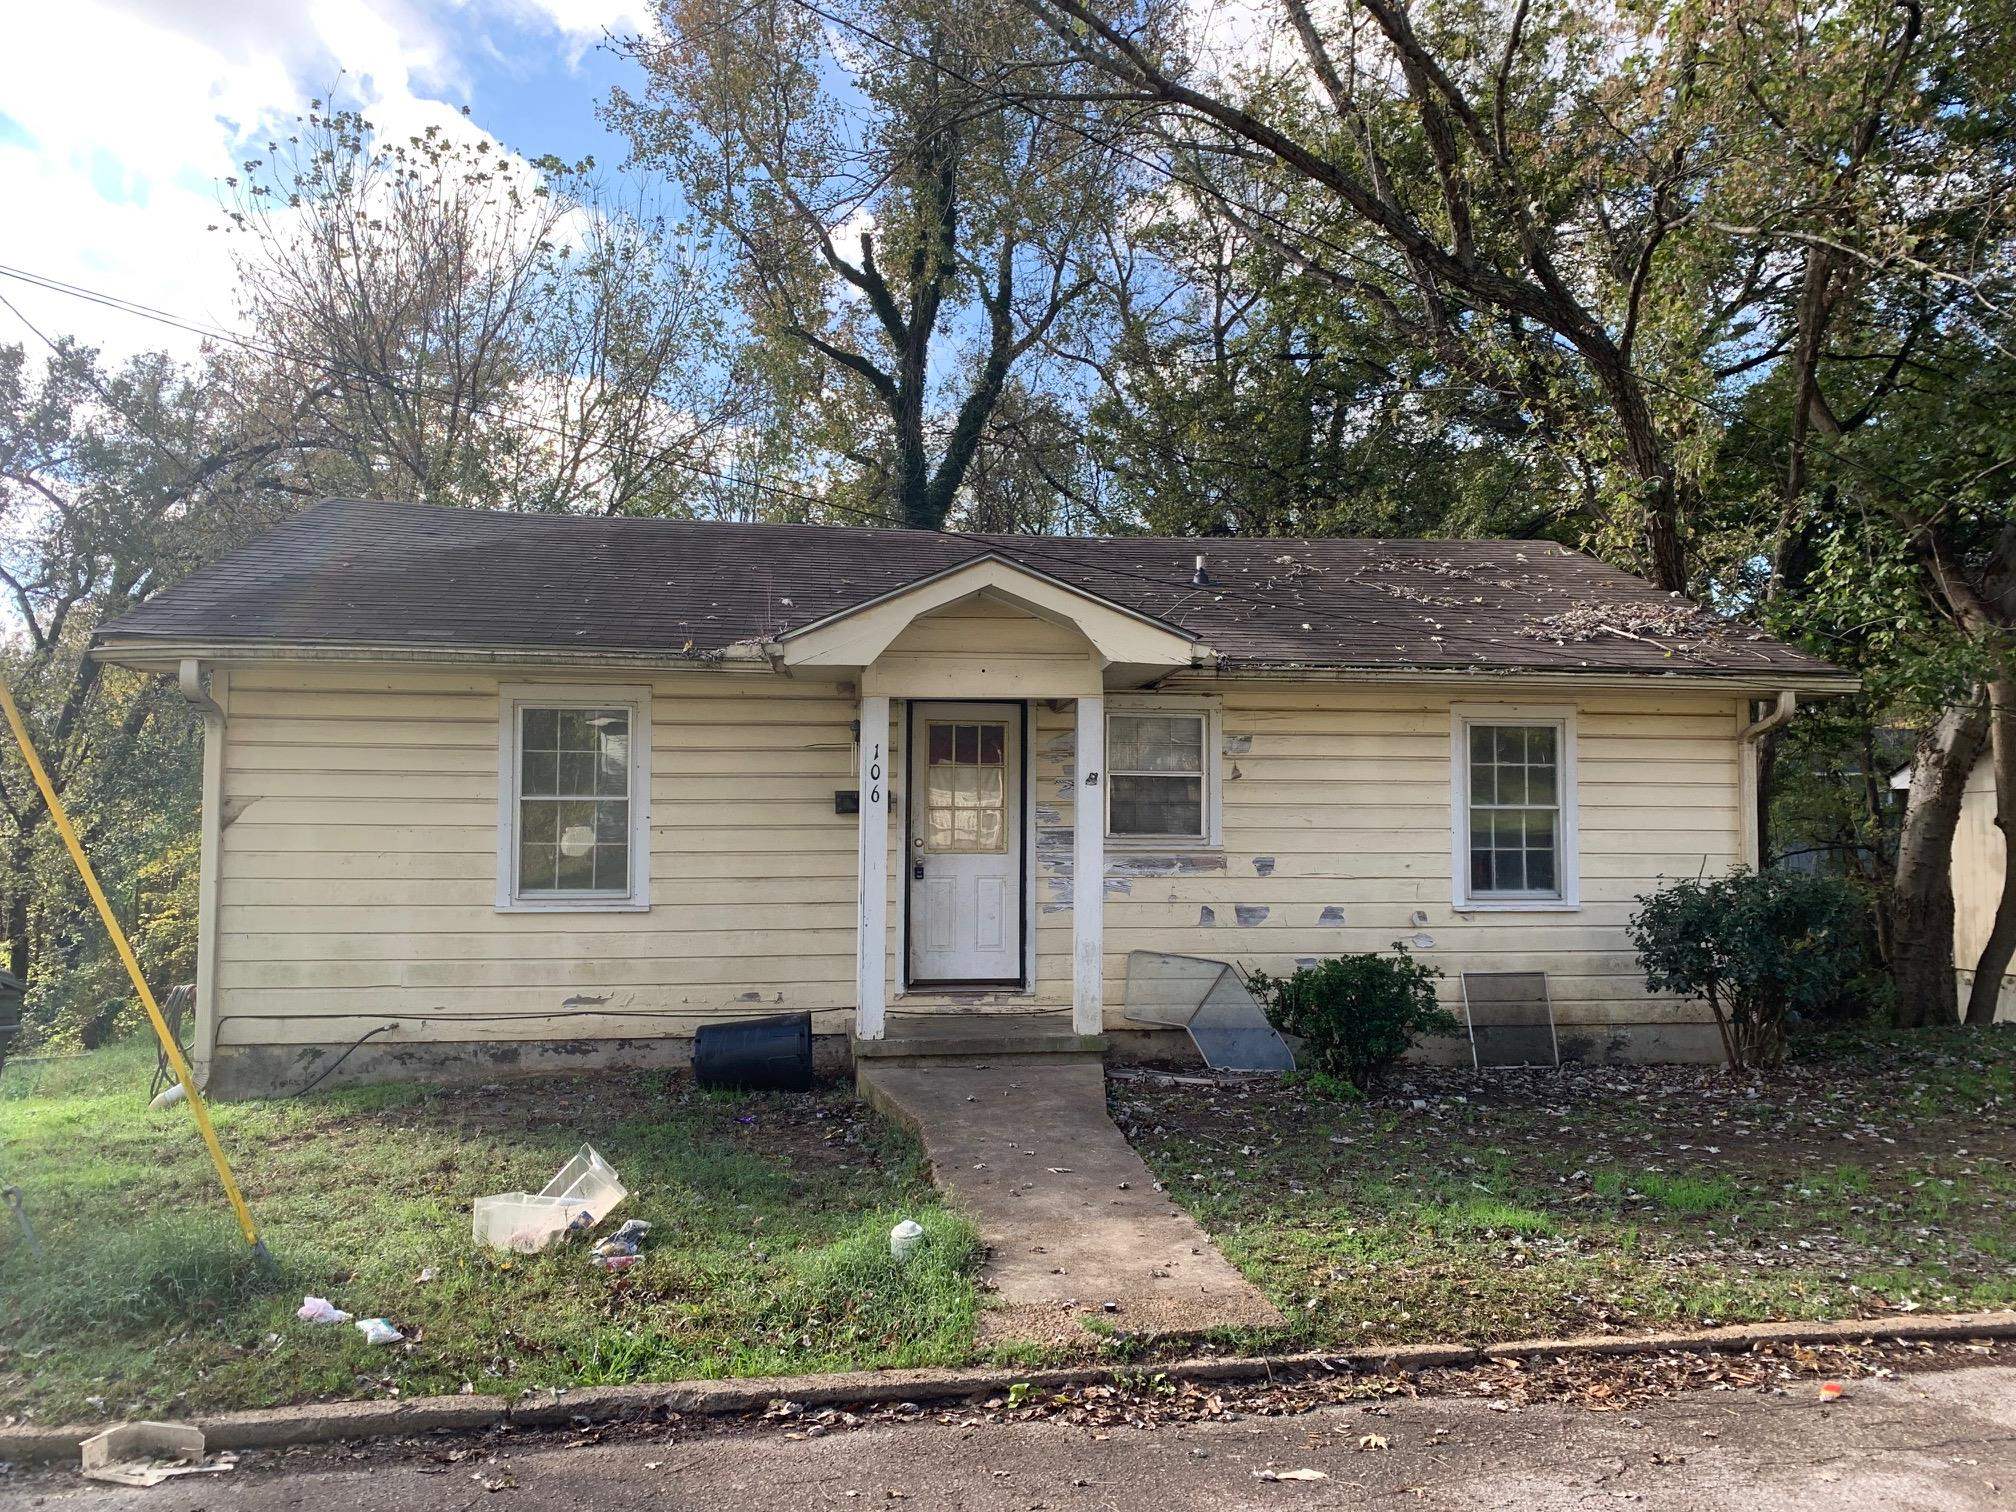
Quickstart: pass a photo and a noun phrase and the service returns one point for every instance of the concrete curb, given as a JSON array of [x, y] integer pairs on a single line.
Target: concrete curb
[[327, 1422]]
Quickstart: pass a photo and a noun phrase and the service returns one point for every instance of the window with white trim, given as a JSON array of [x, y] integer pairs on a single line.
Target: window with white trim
[[1161, 772], [1515, 811], [573, 786]]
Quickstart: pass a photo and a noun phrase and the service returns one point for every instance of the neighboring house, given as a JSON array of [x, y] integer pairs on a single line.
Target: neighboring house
[[1978, 859], [498, 789]]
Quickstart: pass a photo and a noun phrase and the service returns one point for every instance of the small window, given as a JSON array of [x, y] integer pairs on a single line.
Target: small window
[[1159, 772], [1515, 819], [965, 787], [575, 785]]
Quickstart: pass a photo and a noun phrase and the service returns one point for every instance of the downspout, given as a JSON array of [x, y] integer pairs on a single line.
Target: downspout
[[189, 678], [1749, 813]]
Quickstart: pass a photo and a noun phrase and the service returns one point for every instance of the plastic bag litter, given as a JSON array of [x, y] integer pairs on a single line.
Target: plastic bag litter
[[321, 1310], [627, 1240], [613, 1262], [378, 1331]]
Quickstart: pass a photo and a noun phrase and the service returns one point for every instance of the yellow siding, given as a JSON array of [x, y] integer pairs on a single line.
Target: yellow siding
[[360, 856], [360, 849], [1337, 802]]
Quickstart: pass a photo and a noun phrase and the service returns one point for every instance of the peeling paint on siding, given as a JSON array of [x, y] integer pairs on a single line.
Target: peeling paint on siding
[[1206, 917], [1238, 745], [1264, 865], [1249, 914], [1165, 866], [1333, 916]]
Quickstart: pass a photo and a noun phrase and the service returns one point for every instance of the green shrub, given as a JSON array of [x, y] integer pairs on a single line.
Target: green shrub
[[1757, 947], [1356, 1014]]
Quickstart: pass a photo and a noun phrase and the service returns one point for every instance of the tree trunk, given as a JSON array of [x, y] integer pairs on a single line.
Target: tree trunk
[[1922, 961], [17, 914], [1995, 955]]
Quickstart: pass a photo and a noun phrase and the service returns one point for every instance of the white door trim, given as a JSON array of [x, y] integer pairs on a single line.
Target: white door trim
[[1022, 832], [1088, 873], [871, 938]]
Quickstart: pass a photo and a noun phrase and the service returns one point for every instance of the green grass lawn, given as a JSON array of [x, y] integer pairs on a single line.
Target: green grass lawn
[[768, 1250], [1873, 1176]]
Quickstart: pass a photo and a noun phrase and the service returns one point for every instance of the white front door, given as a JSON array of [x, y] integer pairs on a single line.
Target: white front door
[[964, 849]]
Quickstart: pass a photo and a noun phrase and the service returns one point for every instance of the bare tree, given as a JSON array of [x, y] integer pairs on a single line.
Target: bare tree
[[484, 331]]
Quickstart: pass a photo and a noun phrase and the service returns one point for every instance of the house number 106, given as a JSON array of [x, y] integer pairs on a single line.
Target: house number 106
[[875, 776]]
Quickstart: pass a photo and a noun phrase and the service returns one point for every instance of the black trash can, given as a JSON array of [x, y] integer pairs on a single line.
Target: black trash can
[[771, 1054]]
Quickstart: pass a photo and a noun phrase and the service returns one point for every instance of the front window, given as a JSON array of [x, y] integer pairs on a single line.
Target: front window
[[576, 785], [1158, 775], [1514, 819]]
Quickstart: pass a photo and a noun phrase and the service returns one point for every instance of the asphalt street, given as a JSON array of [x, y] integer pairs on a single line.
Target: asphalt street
[[1941, 1439]]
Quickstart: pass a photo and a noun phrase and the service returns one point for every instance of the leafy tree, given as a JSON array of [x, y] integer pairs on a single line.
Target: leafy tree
[[113, 483], [1244, 397], [905, 241]]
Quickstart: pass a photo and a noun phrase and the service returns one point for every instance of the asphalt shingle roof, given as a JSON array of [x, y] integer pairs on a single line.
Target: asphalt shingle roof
[[353, 572]]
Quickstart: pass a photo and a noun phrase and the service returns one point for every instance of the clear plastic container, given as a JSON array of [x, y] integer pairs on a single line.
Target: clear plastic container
[[581, 1194]]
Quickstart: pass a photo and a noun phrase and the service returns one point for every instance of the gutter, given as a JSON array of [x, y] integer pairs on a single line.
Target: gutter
[[1813, 684], [1777, 719], [1750, 843], [159, 656], [760, 656], [189, 679]]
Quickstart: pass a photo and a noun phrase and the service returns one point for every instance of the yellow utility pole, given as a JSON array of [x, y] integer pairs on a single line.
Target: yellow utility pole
[[173, 1051]]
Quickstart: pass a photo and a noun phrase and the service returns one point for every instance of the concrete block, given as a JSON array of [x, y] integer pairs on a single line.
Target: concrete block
[[146, 1440]]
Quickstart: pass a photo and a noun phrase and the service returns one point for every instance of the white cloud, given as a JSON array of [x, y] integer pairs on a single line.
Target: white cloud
[[589, 20], [117, 120]]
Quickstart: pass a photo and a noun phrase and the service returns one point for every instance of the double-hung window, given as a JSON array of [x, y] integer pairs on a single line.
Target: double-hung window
[[1513, 776], [1162, 772], [574, 789]]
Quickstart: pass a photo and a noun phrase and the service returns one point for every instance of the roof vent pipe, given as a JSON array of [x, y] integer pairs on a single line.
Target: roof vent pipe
[[1199, 576]]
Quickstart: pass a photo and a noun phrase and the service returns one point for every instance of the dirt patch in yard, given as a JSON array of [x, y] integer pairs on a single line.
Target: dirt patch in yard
[[1869, 1177]]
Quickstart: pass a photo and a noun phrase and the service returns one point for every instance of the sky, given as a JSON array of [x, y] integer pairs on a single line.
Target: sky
[[119, 117]]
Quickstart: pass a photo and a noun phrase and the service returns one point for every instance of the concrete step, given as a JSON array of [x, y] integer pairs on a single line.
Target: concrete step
[[921, 1036], [969, 1043]]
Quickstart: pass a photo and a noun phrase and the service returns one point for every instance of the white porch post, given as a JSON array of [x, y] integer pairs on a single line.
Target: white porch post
[[1088, 891], [871, 940]]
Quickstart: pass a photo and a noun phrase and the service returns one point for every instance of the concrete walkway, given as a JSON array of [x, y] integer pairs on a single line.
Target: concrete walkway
[[1071, 1217]]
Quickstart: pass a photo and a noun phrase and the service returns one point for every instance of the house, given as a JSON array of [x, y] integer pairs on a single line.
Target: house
[[492, 790], [1978, 859]]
